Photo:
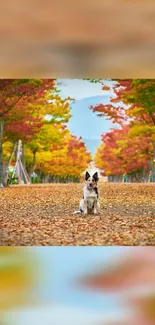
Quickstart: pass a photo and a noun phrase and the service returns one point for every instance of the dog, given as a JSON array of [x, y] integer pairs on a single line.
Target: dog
[[90, 202]]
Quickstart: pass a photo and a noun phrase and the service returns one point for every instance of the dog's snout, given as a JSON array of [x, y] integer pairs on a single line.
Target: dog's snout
[[91, 184]]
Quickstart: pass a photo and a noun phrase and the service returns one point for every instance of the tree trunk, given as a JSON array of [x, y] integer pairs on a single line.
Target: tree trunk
[[5, 174], [1, 153], [32, 169], [146, 175], [153, 174], [47, 178], [4, 166]]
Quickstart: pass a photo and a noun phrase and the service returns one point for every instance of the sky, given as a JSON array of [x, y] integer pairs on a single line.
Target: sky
[[84, 122], [80, 89]]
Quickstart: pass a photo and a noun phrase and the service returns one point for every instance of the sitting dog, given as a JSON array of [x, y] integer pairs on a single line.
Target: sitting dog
[[90, 203]]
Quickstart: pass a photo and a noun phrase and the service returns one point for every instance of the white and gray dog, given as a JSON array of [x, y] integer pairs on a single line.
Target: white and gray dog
[[90, 202]]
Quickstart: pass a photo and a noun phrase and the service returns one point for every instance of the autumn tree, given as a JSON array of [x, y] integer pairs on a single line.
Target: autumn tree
[[39, 120], [133, 102], [118, 154], [26, 106], [65, 161], [105, 158], [41, 145], [16, 118], [139, 94], [53, 129]]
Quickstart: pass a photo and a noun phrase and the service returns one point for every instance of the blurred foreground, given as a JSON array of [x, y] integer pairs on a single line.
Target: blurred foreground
[[132, 276], [129, 273]]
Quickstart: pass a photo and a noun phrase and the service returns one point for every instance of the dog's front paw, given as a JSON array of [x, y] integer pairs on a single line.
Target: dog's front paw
[[85, 213], [95, 211]]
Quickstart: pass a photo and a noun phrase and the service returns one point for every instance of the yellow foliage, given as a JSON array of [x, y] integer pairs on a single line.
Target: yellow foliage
[[7, 149], [144, 129]]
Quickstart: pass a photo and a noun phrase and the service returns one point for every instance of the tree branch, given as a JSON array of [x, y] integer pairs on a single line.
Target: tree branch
[[10, 107]]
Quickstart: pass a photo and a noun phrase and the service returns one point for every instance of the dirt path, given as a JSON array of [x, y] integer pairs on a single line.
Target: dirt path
[[42, 215]]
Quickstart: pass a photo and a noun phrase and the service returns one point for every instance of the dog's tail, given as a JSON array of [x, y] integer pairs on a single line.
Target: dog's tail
[[77, 212]]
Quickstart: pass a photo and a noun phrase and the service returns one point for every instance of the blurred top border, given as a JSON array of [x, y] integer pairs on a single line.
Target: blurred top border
[[62, 39]]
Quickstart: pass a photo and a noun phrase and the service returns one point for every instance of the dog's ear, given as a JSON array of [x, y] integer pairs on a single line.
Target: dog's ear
[[95, 177], [87, 175]]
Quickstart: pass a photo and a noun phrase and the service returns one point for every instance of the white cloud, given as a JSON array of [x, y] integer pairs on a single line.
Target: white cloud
[[80, 89]]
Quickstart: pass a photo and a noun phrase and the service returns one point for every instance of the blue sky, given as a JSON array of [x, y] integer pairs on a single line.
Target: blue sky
[[84, 122]]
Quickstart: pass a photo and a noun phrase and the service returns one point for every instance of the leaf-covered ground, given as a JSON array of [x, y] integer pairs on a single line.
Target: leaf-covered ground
[[42, 215]]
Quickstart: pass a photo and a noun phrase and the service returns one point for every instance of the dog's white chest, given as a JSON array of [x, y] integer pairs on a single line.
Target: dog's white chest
[[89, 194], [90, 202]]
